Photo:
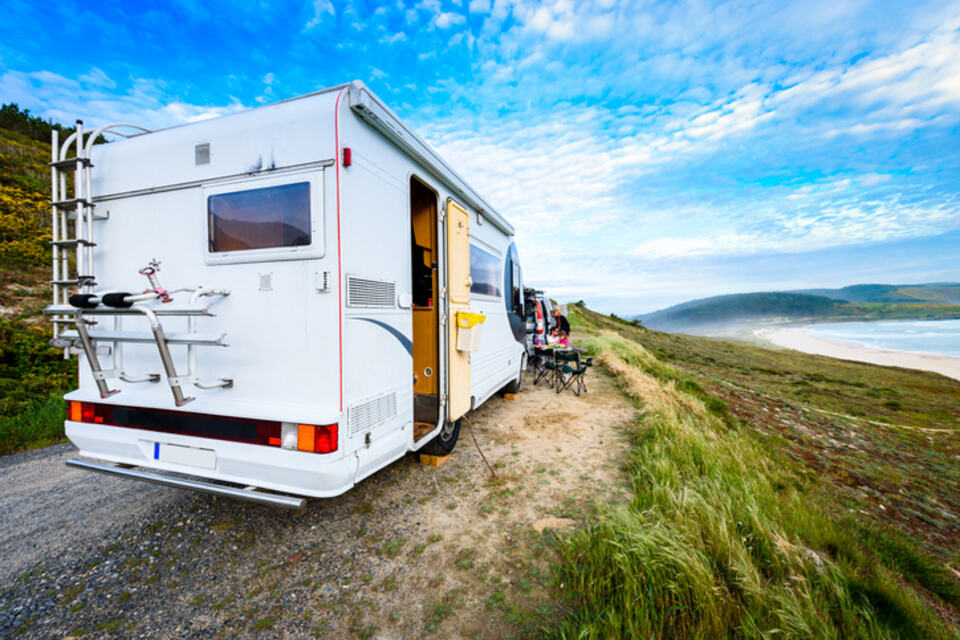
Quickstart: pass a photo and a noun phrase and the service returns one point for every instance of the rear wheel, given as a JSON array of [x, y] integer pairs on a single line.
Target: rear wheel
[[444, 442]]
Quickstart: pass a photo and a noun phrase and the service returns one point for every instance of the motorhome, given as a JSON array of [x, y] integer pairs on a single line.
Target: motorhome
[[277, 303]]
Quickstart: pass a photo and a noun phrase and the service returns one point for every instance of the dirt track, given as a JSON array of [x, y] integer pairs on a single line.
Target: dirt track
[[412, 551]]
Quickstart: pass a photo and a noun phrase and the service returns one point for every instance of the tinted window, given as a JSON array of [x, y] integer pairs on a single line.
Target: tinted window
[[484, 272], [260, 218], [513, 282]]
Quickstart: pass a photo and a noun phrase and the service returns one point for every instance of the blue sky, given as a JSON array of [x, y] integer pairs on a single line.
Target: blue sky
[[647, 152]]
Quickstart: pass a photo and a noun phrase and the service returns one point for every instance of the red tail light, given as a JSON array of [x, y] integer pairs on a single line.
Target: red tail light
[[317, 439], [86, 412]]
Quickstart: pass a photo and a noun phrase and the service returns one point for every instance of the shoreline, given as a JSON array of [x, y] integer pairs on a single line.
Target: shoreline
[[798, 339]]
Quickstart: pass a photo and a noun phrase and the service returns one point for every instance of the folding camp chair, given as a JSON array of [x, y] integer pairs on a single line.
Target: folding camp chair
[[544, 365], [572, 376], [568, 362], [580, 375]]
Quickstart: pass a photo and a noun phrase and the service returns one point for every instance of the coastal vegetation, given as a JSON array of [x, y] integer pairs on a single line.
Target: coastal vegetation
[[775, 494]]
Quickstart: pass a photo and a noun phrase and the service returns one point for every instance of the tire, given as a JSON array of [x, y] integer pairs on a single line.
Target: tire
[[514, 385], [444, 442]]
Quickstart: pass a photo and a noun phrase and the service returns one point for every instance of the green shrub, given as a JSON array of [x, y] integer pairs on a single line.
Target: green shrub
[[29, 367], [38, 425]]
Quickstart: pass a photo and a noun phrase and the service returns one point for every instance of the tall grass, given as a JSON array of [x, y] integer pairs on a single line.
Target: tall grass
[[39, 425], [722, 537]]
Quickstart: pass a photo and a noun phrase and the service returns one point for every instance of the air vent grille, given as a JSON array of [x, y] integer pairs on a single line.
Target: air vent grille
[[201, 154], [373, 413], [363, 292]]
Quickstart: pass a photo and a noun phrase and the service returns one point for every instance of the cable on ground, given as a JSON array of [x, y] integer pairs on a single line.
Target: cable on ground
[[474, 436]]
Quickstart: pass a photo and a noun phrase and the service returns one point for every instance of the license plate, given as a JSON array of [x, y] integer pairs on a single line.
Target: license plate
[[190, 456]]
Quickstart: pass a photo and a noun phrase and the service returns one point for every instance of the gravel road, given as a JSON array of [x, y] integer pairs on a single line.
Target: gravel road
[[48, 509], [410, 552]]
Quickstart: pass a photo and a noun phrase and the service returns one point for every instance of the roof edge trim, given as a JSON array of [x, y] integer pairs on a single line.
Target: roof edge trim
[[372, 110]]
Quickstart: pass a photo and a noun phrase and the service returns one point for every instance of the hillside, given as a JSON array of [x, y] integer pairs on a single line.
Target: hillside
[[721, 310], [933, 293], [865, 302], [775, 494], [31, 373]]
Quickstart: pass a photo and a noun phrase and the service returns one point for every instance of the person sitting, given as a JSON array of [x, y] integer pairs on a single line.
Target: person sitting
[[552, 337], [563, 340]]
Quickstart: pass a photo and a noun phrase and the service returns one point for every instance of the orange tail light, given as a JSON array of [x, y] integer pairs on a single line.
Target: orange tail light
[[317, 439]]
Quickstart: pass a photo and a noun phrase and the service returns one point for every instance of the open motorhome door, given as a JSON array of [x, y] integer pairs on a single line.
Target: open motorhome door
[[458, 286]]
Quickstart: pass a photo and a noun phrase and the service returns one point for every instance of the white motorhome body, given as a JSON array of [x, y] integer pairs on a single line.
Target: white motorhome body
[[340, 296]]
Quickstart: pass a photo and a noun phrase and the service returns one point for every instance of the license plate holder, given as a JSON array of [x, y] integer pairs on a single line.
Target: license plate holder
[[182, 454]]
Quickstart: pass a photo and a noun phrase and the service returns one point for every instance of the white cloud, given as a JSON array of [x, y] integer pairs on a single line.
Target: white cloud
[[321, 9], [144, 102], [446, 20], [97, 77], [399, 36], [479, 6]]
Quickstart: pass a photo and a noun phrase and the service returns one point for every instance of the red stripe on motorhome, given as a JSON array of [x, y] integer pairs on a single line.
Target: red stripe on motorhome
[[336, 138]]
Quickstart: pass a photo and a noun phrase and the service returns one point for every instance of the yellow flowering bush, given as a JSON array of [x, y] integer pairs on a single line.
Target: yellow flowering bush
[[24, 227]]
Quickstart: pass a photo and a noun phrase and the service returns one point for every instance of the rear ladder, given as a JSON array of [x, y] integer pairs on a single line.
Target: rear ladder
[[78, 208]]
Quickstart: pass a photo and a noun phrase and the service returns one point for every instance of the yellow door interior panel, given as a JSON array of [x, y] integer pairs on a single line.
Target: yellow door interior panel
[[458, 285]]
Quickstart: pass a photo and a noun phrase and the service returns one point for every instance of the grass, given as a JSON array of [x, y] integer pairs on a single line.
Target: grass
[[731, 531], [40, 425], [264, 624], [392, 548], [110, 625]]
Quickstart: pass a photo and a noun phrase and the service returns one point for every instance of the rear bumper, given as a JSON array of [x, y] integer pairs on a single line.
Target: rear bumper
[[249, 495], [295, 472]]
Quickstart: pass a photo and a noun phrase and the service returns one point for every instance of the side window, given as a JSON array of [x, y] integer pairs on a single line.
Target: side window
[[264, 218], [517, 289], [513, 282], [484, 272]]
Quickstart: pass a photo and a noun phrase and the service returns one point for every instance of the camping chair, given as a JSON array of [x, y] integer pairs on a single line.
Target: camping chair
[[580, 373], [574, 378], [568, 363], [545, 365]]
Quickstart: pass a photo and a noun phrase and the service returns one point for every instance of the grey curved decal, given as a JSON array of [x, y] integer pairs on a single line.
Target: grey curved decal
[[404, 340]]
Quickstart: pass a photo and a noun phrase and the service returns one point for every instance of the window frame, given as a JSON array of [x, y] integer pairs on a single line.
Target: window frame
[[316, 247], [513, 289]]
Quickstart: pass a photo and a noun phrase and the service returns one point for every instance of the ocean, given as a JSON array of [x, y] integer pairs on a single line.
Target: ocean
[[940, 337]]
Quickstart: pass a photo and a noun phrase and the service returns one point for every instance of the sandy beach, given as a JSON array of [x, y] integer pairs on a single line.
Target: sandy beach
[[799, 339]]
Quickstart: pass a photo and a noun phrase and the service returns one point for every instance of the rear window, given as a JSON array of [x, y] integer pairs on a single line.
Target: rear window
[[260, 218]]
